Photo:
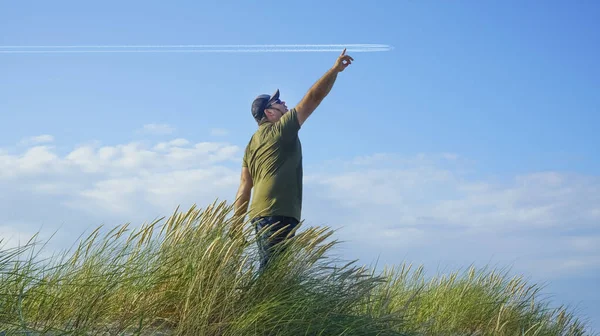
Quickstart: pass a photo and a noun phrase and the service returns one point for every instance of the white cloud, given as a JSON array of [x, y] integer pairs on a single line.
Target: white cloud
[[11, 237], [156, 193], [39, 139], [97, 184], [426, 207], [419, 192], [35, 160], [430, 209], [158, 129], [219, 132], [170, 144]]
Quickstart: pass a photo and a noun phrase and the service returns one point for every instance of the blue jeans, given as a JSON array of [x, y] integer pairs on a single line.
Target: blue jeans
[[269, 239]]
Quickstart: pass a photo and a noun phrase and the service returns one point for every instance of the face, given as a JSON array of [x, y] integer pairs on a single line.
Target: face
[[277, 109]]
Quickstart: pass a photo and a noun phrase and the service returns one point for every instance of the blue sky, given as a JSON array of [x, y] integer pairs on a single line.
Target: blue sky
[[479, 124]]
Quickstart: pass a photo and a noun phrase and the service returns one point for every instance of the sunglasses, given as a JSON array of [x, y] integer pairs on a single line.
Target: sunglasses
[[276, 101]]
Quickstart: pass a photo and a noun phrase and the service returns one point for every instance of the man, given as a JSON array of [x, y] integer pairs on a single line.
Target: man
[[272, 163]]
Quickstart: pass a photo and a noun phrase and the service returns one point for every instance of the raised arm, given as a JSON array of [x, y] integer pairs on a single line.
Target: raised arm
[[321, 88]]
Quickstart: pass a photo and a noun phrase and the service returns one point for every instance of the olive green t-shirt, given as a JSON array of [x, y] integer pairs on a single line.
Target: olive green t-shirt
[[274, 158]]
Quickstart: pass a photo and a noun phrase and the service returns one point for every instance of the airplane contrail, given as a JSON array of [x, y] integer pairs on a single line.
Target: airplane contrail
[[194, 48]]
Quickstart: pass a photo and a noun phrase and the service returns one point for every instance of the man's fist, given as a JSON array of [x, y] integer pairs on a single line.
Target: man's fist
[[343, 61]]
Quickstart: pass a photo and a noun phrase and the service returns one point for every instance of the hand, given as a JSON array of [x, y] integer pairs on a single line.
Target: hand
[[343, 61]]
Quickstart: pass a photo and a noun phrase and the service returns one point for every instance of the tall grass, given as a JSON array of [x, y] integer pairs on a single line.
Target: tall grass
[[474, 302], [187, 275]]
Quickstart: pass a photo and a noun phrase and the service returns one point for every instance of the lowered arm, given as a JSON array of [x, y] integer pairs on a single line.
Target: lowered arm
[[242, 198]]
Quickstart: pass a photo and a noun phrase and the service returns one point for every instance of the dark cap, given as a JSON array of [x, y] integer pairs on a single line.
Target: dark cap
[[261, 102]]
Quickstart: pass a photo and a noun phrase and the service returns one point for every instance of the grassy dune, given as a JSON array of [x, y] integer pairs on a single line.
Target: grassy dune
[[185, 275]]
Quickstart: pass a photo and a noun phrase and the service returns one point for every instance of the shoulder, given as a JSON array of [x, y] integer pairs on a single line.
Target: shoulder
[[292, 117], [252, 143], [251, 140], [289, 123]]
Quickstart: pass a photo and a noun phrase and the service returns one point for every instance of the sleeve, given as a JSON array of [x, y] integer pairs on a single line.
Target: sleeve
[[288, 126]]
